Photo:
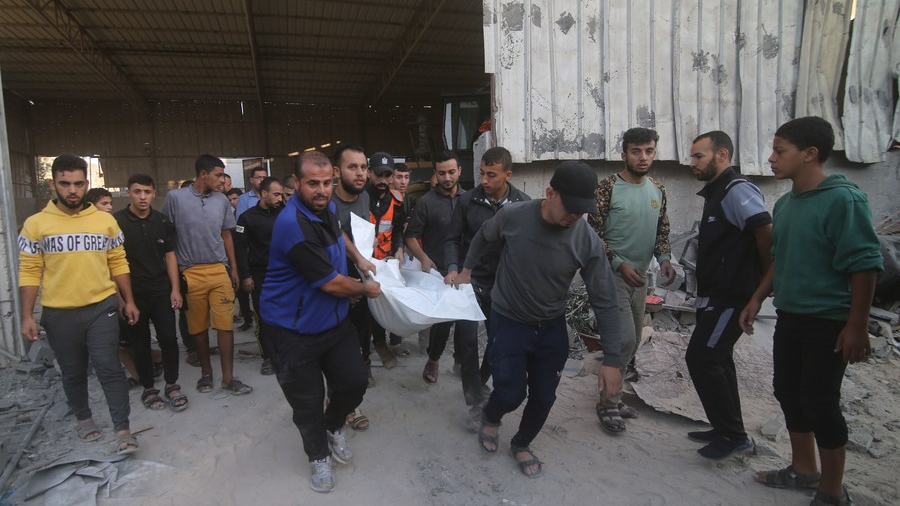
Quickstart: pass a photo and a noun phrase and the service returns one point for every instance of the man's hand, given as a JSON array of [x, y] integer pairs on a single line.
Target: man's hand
[[450, 278], [130, 313], [463, 278], [853, 342], [235, 279], [748, 315], [631, 275], [427, 265], [609, 381], [399, 255], [29, 329], [372, 289], [668, 272], [247, 285], [175, 298], [366, 267]]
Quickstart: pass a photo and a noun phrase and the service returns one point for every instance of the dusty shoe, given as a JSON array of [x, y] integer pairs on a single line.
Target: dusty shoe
[[266, 368], [722, 448], [386, 355], [321, 480], [473, 419], [340, 450]]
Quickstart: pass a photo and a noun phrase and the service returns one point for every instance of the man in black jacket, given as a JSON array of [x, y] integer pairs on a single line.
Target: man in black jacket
[[251, 243], [733, 252], [473, 209]]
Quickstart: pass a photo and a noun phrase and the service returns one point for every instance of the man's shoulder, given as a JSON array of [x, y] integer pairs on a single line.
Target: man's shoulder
[[657, 184]]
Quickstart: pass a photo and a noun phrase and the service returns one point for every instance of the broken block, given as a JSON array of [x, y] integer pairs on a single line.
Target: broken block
[[40, 353]]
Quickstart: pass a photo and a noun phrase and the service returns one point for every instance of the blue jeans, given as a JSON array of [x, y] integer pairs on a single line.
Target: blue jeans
[[526, 360]]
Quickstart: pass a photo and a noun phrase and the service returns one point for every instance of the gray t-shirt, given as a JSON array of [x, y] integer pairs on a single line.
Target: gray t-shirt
[[537, 264], [343, 210], [199, 221]]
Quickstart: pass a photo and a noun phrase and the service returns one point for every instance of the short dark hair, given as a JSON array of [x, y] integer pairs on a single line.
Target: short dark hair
[[638, 135], [64, 163], [254, 170], [445, 156], [809, 132], [206, 163], [401, 167], [234, 191], [227, 176], [288, 181], [339, 154], [719, 140], [141, 178], [497, 155], [316, 158], [95, 194], [267, 183], [186, 183]]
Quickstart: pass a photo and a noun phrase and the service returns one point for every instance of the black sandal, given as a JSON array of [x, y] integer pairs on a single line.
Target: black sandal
[[151, 399], [179, 402], [525, 464], [205, 384]]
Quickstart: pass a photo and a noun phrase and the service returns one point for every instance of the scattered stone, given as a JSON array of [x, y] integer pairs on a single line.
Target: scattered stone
[[675, 297], [878, 452], [881, 314], [30, 368], [665, 321], [860, 439], [7, 404], [40, 353], [773, 429], [880, 346], [765, 450], [893, 425], [52, 375]]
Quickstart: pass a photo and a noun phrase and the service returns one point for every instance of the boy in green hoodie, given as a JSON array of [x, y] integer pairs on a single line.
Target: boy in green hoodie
[[826, 256]]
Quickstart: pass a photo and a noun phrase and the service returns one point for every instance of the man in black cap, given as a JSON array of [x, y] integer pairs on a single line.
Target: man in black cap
[[389, 217], [528, 326]]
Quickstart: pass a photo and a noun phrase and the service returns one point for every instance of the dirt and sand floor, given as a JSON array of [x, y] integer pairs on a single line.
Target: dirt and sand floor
[[244, 450]]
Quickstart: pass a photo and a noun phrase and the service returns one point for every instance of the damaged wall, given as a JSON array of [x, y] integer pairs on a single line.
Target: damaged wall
[[571, 76]]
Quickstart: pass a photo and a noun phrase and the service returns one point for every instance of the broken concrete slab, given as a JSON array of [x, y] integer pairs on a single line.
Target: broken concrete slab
[[774, 429], [860, 439], [30, 368], [881, 314], [40, 353], [665, 321], [675, 297]]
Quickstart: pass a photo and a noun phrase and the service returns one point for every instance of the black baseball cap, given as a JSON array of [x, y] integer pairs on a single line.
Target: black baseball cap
[[381, 162], [576, 184]]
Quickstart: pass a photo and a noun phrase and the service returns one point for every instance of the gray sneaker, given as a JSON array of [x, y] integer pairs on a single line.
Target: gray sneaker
[[321, 480], [340, 450]]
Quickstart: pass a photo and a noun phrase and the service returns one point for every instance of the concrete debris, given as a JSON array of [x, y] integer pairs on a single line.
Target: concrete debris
[[665, 321], [884, 315], [29, 368], [766, 450], [880, 346], [40, 353], [879, 451], [774, 429], [860, 439], [7, 404], [675, 297]]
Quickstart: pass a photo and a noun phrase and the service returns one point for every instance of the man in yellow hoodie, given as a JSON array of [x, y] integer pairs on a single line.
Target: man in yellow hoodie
[[78, 251]]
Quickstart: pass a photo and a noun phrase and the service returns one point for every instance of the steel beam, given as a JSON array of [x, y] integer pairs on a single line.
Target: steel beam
[[257, 77], [60, 20], [422, 19]]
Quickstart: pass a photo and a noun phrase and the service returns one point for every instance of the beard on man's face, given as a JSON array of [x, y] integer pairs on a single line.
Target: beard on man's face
[[68, 203]]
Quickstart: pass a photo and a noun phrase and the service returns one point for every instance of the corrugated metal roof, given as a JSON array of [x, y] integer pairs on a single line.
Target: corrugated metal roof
[[324, 51]]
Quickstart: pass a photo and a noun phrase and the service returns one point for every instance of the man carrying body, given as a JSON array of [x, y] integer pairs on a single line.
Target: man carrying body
[[150, 249], [251, 196], [75, 253], [203, 221], [633, 222], [304, 302], [734, 243], [430, 222], [473, 209], [252, 238], [528, 322], [825, 259], [386, 206]]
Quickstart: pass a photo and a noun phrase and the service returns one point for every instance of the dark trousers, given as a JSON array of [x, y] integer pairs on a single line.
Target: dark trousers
[[360, 317], [243, 299], [257, 292], [379, 333], [710, 362], [527, 360], [437, 341], [300, 361], [89, 335], [466, 350], [157, 309], [483, 296], [808, 376]]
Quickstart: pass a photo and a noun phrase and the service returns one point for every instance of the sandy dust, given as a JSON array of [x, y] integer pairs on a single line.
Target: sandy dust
[[244, 450]]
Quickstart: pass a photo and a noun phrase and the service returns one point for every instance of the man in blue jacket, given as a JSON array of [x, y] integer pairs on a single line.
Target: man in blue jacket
[[304, 302]]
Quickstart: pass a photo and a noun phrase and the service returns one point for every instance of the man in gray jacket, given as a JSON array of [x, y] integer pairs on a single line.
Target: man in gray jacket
[[530, 343]]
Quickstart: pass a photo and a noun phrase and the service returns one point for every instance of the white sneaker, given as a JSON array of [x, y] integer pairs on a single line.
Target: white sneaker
[[321, 480], [340, 450]]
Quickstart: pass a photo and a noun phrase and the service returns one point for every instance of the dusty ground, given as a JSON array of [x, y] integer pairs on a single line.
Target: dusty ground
[[244, 450]]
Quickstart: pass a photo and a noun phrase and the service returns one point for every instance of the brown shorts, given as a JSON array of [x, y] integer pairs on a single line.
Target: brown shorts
[[209, 291]]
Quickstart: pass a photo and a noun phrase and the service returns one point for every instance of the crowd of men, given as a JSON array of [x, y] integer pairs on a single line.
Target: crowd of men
[[106, 277]]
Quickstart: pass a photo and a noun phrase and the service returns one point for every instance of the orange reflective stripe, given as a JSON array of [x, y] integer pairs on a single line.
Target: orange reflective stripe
[[384, 229]]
